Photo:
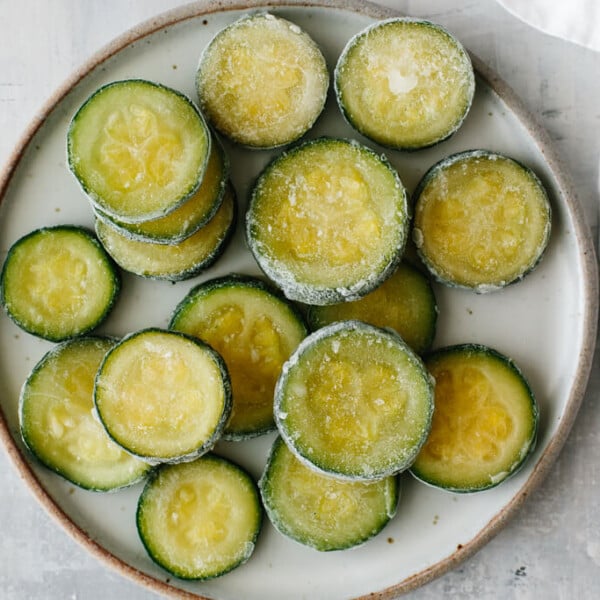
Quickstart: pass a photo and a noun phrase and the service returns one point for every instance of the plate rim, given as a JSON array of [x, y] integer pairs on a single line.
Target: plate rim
[[540, 139]]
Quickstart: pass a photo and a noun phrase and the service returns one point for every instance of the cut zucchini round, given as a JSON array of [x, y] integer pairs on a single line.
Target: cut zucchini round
[[405, 302], [57, 419], [163, 396], [327, 221], [58, 282], [201, 519], [255, 331], [174, 262], [482, 220], [322, 512], [138, 149], [262, 81], [193, 214], [354, 402], [404, 83], [484, 423]]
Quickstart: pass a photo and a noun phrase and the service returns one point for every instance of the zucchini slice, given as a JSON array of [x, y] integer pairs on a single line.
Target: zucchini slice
[[262, 81], [484, 423], [138, 149], [193, 214], [57, 419], [174, 262], [163, 396], [327, 221], [482, 220], [404, 83], [255, 331], [354, 402], [58, 282], [201, 519], [322, 512], [405, 302]]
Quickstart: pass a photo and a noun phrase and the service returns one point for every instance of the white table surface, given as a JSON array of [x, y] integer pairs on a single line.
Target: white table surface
[[551, 549]]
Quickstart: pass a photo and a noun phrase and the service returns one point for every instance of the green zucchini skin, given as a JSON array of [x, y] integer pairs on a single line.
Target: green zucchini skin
[[164, 230], [49, 421], [385, 131], [194, 564], [288, 488], [151, 260], [123, 431], [481, 280], [323, 278], [237, 96], [239, 348], [405, 302], [91, 184], [354, 402], [440, 463], [28, 313]]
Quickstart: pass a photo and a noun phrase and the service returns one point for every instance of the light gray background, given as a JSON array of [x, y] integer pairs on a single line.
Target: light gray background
[[551, 549]]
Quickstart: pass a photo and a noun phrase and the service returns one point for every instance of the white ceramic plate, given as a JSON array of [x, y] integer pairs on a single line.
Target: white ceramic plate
[[546, 323]]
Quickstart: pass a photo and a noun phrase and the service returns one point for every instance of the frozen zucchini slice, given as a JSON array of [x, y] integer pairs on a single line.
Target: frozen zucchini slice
[[354, 402], [482, 220], [322, 512], [405, 302], [484, 423], [163, 396], [174, 262], [327, 221], [404, 83], [57, 419], [255, 330], [262, 81], [193, 214], [200, 519], [138, 149], [58, 282]]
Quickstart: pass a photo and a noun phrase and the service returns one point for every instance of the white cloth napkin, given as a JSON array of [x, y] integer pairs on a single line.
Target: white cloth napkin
[[577, 21]]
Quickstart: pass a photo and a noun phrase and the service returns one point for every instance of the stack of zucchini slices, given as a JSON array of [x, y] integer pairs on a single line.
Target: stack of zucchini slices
[[156, 176]]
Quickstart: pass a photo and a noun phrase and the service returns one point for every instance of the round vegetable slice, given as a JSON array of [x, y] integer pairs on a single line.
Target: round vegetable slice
[[354, 402], [327, 221], [163, 396], [200, 519], [405, 302], [174, 262], [340, 515], [405, 83], [193, 214], [138, 149], [58, 282], [57, 419], [262, 81], [255, 330], [484, 423], [482, 220]]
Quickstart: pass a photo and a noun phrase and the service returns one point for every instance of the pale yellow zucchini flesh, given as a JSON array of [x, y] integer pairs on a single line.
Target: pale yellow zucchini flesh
[[482, 220], [200, 519], [342, 514], [405, 83], [262, 81], [484, 423], [255, 331], [58, 424], [163, 396], [354, 402], [138, 149]]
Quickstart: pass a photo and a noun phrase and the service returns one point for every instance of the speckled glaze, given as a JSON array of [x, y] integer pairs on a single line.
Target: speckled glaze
[[388, 575]]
